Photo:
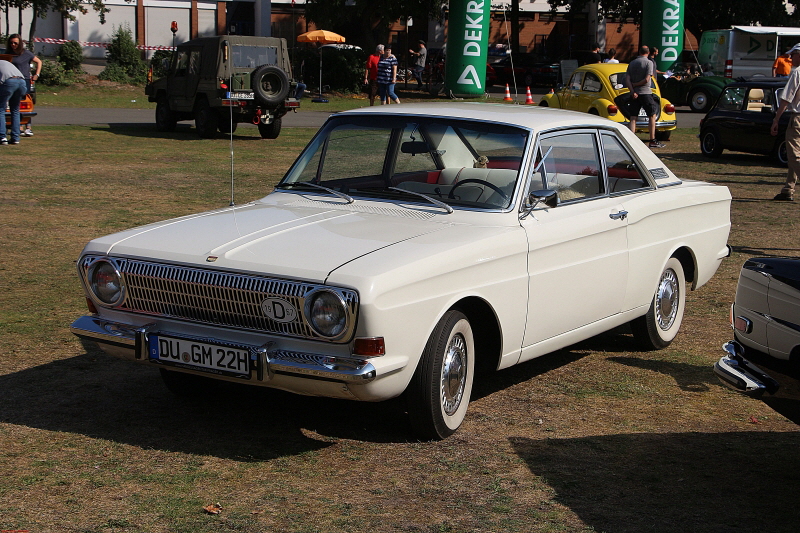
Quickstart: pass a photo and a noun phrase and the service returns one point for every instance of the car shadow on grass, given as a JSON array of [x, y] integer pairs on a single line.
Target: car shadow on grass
[[102, 397], [650, 482]]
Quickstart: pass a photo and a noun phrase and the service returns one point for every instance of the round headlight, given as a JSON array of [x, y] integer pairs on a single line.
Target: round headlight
[[327, 313], [105, 282]]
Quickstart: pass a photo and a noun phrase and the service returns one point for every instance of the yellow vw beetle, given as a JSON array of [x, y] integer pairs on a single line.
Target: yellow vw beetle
[[595, 88]]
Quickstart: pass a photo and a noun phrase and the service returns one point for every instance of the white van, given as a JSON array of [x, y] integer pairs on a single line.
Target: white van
[[744, 50]]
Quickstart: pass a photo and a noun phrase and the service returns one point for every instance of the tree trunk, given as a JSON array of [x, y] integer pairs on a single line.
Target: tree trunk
[[514, 26], [32, 32]]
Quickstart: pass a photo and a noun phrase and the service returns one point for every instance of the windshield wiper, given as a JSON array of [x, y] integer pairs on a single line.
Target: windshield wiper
[[434, 201], [341, 195]]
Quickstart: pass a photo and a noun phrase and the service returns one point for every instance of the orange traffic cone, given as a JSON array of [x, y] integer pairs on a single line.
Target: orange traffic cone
[[528, 99], [508, 95]]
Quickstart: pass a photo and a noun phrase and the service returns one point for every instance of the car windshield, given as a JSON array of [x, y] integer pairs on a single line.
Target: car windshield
[[458, 162], [617, 81]]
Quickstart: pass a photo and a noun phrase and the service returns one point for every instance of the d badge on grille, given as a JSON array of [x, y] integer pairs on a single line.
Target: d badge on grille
[[278, 309]]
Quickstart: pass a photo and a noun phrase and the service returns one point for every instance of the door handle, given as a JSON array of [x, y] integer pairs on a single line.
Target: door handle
[[620, 215]]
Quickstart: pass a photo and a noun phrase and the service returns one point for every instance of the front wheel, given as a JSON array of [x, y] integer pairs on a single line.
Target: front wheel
[[658, 328], [439, 392], [165, 118]]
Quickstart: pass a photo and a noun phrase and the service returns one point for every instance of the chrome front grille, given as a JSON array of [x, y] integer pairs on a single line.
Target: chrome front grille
[[218, 298]]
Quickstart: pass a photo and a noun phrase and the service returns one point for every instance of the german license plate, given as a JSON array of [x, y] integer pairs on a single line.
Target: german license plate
[[240, 96], [224, 359]]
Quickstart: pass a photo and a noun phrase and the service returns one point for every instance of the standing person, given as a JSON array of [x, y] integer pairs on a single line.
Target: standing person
[[594, 55], [654, 58], [782, 66], [612, 56], [637, 79], [387, 76], [22, 60], [371, 74], [12, 90], [790, 99], [419, 62]]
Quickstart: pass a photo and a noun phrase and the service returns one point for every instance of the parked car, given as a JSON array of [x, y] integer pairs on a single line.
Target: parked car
[[26, 105], [599, 89], [526, 70], [742, 118], [765, 318], [407, 248], [698, 92], [221, 81]]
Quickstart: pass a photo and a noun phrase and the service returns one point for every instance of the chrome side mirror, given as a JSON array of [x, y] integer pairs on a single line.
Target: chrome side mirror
[[547, 197]]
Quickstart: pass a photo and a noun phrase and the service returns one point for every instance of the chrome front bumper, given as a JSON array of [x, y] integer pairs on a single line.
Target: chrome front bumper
[[739, 374], [129, 342]]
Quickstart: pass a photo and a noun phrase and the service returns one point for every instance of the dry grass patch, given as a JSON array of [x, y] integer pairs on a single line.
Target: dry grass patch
[[597, 437]]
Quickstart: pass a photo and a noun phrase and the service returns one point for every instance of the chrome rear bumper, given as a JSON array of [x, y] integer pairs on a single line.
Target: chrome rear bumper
[[737, 373]]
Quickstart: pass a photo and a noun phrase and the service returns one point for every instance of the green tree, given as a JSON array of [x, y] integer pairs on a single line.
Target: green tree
[[41, 8], [367, 22]]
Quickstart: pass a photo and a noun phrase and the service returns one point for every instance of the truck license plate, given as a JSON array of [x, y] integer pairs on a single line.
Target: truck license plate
[[230, 360]]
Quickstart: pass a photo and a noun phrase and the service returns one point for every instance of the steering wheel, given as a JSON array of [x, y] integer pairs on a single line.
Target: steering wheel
[[492, 186]]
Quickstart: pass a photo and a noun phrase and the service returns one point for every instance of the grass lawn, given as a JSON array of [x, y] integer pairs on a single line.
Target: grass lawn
[[596, 437]]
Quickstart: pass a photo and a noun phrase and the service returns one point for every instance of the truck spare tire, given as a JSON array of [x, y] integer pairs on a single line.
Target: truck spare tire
[[270, 85]]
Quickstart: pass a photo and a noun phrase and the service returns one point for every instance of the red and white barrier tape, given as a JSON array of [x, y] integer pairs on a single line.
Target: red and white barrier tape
[[49, 40]]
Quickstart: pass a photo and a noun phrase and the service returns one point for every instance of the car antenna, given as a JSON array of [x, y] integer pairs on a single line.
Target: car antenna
[[230, 131]]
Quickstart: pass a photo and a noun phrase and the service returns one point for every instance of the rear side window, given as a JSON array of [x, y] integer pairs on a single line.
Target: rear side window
[[254, 56], [731, 99]]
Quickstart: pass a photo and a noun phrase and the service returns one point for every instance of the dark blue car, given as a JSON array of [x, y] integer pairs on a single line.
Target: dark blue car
[[742, 117]]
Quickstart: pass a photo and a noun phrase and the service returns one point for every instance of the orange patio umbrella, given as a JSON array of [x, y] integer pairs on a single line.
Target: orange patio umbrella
[[322, 37]]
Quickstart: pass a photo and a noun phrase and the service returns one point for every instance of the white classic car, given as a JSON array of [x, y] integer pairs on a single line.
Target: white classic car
[[765, 318], [407, 248]]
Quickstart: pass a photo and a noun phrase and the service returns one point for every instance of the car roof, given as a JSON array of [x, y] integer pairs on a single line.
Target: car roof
[[605, 68], [526, 116]]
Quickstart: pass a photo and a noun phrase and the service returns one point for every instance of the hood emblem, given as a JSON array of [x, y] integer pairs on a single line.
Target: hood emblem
[[278, 310], [211, 258]]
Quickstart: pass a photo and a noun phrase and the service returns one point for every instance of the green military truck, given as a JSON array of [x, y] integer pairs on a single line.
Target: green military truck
[[221, 81]]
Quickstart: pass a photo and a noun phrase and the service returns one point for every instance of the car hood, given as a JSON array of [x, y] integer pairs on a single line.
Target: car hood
[[303, 240]]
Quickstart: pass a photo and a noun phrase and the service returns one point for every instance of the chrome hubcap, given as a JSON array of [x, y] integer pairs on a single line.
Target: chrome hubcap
[[667, 298], [454, 374], [699, 100]]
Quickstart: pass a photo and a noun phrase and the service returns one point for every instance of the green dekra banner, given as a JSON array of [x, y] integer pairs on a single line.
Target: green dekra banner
[[662, 27], [467, 47]]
